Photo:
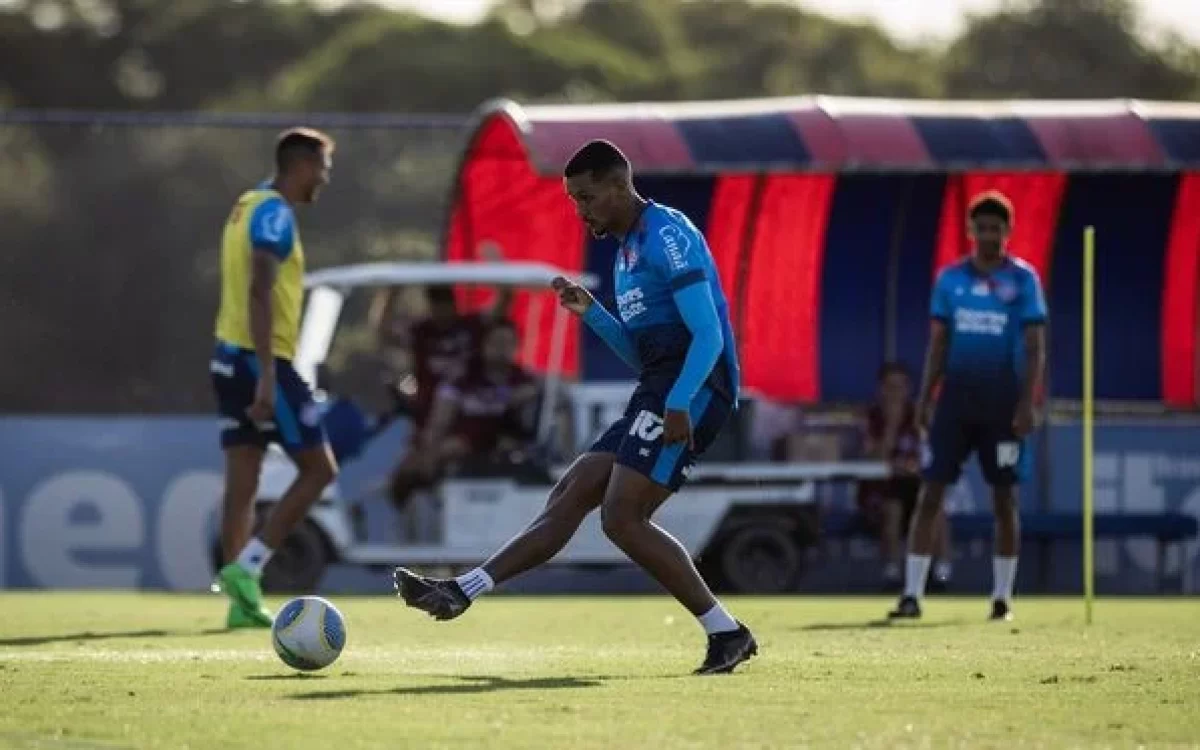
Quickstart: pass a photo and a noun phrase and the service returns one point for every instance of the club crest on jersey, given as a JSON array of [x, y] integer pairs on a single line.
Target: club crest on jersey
[[627, 258], [1006, 291], [981, 289]]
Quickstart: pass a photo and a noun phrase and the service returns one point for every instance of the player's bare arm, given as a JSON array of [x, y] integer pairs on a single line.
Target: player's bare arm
[[935, 368], [1025, 419], [263, 269]]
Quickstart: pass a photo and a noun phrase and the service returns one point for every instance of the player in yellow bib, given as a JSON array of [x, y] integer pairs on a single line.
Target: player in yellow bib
[[260, 397]]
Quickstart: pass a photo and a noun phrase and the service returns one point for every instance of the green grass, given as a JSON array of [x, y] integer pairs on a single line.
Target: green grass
[[126, 670]]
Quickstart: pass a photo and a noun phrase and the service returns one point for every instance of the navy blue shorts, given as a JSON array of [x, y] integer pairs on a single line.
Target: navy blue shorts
[[636, 438], [958, 430], [297, 423]]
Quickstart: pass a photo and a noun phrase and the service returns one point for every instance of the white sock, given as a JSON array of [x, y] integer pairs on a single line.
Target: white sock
[[255, 556], [717, 620], [475, 583], [1004, 576], [916, 570]]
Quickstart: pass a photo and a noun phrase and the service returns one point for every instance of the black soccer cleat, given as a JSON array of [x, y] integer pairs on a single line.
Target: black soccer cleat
[[1001, 612], [440, 598], [908, 608], [727, 650]]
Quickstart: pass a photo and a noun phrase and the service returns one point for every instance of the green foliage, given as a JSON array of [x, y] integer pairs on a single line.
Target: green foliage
[[260, 55], [128, 219]]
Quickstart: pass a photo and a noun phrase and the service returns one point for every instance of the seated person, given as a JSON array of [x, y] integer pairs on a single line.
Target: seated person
[[444, 343], [887, 505], [484, 413]]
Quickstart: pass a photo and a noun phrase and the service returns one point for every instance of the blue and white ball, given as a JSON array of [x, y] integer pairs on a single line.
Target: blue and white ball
[[309, 633]]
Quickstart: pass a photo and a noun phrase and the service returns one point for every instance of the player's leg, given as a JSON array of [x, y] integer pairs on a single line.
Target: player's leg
[[244, 446], [315, 469], [577, 493], [243, 465], [943, 566], [1002, 459], [298, 428], [645, 475], [898, 513], [950, 442]]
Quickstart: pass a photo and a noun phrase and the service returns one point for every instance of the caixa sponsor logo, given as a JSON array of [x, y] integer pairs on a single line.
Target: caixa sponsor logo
[[91, 529]]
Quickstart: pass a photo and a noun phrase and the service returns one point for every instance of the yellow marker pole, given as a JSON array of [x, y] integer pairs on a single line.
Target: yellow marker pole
[[1089, 333]]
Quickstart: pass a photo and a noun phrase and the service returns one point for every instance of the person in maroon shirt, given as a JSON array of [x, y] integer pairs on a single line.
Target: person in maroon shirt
[[484, 412], [892, 435], [440, 345]]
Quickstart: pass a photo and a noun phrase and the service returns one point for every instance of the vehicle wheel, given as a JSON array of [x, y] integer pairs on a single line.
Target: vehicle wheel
[[297, 566], [761, 559]]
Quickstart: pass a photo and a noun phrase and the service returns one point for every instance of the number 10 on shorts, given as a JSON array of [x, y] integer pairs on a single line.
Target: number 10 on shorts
[[647, 426], [1008, 454]]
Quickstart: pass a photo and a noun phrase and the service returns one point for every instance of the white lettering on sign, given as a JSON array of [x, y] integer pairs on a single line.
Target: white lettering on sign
[[50, 538], [183, 532], [987, 322]]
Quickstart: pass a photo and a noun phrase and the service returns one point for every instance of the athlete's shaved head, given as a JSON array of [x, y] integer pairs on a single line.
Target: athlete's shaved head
[[597, 158], [303, 158], [598, 179]]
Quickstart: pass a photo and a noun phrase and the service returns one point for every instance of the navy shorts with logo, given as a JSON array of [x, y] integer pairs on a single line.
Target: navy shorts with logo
[[963, 425], [636, 438], [297, 423]]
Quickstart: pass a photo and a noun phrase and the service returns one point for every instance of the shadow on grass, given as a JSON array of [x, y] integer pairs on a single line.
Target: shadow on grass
[[289, 676], [466, 685], [89, 636], [876, 624]]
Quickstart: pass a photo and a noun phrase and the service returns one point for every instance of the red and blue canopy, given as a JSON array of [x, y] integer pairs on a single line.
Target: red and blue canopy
[[829, 218]]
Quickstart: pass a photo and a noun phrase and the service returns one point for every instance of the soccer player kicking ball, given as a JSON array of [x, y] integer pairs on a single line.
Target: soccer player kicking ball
[[674, 331], [260, 396], [987, 351]]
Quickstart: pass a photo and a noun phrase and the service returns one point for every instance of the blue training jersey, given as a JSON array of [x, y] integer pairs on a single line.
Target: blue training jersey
[[663, 254], [985, 317]]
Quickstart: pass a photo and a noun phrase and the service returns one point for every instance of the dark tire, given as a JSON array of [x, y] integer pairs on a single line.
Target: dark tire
[[297, 566], [761, 559]]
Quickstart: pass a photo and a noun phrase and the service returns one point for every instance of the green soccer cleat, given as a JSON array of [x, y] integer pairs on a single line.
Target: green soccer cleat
[[245, 593], [239, 617]]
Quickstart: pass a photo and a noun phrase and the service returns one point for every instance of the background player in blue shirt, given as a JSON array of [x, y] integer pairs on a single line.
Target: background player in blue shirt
[[987, 352], [674, 331]]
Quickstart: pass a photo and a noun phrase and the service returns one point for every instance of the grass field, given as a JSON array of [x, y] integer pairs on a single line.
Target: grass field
[[148, 671]]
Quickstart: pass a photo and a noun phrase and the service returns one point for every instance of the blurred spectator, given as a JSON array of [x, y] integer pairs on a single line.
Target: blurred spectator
[[887, 505], [441, 345], [484, 413]]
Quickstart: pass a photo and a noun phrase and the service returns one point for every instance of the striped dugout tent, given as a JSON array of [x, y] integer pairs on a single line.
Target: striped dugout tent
[[829, 218]]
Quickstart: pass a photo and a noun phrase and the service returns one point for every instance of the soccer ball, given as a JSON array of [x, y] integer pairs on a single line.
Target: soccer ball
[[308, 633]]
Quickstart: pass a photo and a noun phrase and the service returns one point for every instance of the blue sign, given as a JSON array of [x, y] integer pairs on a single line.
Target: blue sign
[[132, 502]]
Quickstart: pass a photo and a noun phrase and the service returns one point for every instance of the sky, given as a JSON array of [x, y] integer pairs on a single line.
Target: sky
[[910, 20]]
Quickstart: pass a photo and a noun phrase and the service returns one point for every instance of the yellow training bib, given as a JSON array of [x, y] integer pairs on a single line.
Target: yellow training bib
[[261, 221]]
